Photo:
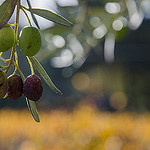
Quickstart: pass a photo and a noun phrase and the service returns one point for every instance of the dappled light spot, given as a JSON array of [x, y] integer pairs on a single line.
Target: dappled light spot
[[85, 128], [78, 63], [64, 60], [145, 5], [117, 25], [81, 81], [66, 54], [58, 41], [118, 100], [48, 37], [75, 46], [100, 31], [91, 41], [67, 72], [112, 8], [95, 21], [135, 15], [109, 46], [64, 3], [123, 20], [113, 143], [136, 20], [82, 138], [27, 145]]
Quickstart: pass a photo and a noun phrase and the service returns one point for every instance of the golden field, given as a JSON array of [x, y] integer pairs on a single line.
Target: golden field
[[85, 128]]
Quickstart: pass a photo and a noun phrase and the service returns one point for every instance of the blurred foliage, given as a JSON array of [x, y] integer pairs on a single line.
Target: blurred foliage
[[85, 128], [94, 21], [104, 32], [104, 55]]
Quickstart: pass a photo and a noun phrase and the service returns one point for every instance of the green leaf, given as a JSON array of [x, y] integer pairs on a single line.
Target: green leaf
[[33, 109], [31, 104], [6, 11], [49, 15], [44, 75], [33, 17]]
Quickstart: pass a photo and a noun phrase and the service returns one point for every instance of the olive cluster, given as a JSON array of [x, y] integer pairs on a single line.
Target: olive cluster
[[29, 43], [29, 40], [13, 86]]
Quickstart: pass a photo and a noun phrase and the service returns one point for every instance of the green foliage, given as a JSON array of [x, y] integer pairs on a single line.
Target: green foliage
[[44, 75], [32, 107], [29, 43], [33, 17], [94, 22], [6, 11], [51, 16]]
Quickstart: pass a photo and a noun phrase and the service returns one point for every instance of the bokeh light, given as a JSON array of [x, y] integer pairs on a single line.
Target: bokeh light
[[112, 8], [84, 128], [118, 100], [95, 21], [135, 16], [117, 25], [67, 72], [100, 31], [81, 81], [113, 143], [109, 47], [65, 59], [67, 2], [58, 41], [145, 5]]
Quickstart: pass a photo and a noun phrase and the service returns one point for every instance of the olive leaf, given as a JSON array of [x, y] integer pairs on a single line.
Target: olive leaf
[[33, 109], [44, 75], [31, 104], [49, 15], [33, 17], [6, 11]]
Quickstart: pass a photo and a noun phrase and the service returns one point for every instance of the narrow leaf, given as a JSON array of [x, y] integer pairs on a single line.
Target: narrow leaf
[[49, 15], [44, 75], [31, 104], [33, 17], [33, 109], [6, 11]]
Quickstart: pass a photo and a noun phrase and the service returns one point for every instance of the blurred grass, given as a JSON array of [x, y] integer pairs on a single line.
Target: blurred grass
[[85, 128]]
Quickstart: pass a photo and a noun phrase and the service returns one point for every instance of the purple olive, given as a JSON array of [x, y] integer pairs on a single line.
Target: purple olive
[[15, 87], [33, 88], [3, 84]]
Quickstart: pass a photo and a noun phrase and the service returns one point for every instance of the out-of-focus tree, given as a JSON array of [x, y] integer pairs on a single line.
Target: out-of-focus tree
[[94, 21]]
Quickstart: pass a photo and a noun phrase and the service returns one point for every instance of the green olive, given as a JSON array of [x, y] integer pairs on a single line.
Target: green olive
[[7, 38], [30, 41]]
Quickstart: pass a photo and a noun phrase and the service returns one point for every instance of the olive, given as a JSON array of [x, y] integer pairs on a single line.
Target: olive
[[3, 84], [32, 88], [30, 41], [7, 38]]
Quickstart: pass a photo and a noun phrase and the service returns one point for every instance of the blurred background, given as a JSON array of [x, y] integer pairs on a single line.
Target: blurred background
[[102, 66]]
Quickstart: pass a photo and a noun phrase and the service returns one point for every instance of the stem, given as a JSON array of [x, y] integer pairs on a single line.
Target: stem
[[1, 54], [24, 7], [26, 15], [4, 60], [17, 19], [16, 34], [3, 67], [31, 66], [21, 74], [16, 64], [12, 24]]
